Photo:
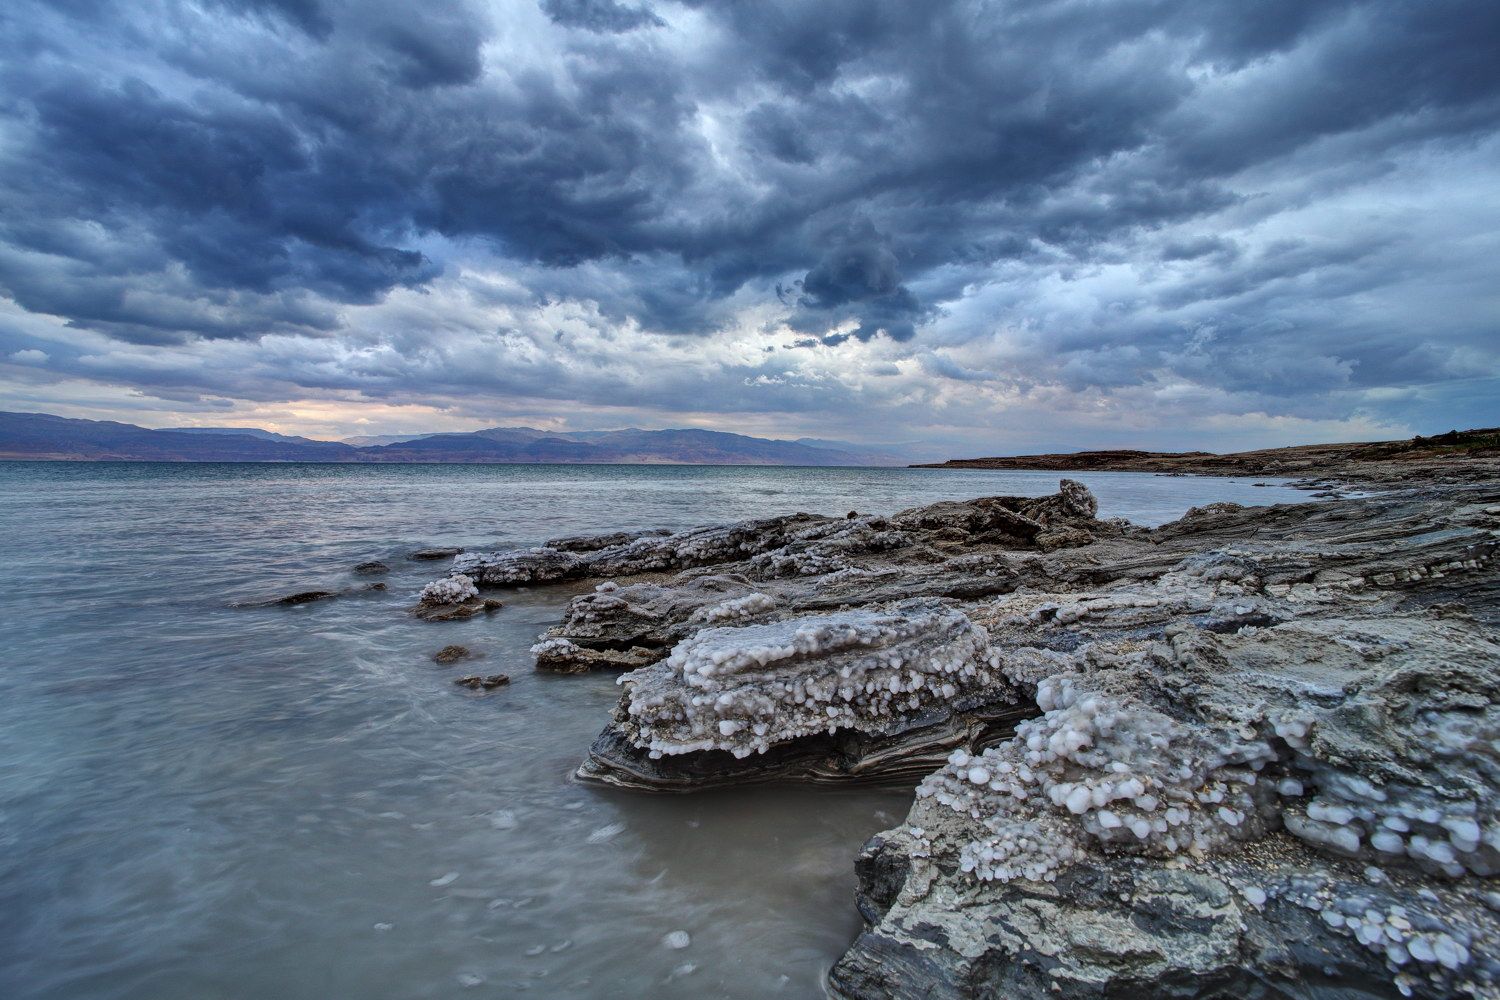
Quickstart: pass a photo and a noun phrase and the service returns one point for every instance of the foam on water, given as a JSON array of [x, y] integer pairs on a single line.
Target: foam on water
[[198, 800]]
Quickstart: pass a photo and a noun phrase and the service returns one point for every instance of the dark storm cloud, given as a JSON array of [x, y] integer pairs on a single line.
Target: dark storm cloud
[[600, 15], [250, 167]]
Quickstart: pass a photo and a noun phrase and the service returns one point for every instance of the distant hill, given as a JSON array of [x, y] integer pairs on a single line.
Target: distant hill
[[252, 431], [42, 436]]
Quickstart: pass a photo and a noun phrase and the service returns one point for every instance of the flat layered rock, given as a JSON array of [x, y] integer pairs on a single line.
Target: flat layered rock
[[899, 756], [781, 567]]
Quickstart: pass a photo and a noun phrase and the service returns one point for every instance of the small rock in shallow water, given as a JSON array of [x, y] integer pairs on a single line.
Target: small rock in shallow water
[[486, 683], [301, 597], [677, 940], [423, 555], [451, 654], [372, 568], [469, 980]]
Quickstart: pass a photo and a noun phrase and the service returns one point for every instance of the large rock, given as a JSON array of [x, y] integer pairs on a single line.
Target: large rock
[[1270, 768], [857, 694], [780, 567]]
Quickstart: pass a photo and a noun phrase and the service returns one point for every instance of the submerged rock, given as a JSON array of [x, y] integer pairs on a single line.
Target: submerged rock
[[305, 597], [478, 683], [428, 555], [289, 600], [372, 568]]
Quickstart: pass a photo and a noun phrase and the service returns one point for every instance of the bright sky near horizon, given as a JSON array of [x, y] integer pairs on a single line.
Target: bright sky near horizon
[[990, 226]]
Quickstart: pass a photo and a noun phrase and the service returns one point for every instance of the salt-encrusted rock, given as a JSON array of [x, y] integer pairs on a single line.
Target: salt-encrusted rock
[[593, 543], [563, 657], [904, 675], [1270, 767]]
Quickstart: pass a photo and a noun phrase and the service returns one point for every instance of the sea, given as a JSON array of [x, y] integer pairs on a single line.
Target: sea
[[201, 800]]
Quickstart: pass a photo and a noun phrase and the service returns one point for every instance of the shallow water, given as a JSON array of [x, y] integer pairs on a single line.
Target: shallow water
[[199, 801]]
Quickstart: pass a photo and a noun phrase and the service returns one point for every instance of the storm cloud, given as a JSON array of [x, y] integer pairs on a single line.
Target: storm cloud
[[1038, 221]]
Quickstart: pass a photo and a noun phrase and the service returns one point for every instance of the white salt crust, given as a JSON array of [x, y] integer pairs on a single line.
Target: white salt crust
[[449, 590], [1121, 774], [1090, 769], [742, 689]]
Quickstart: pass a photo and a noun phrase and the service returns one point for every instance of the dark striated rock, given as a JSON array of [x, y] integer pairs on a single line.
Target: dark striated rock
[[289, 600], [456, 612], [452, 654], [372, 568], [478, 683], [426, 555], [901, 755]]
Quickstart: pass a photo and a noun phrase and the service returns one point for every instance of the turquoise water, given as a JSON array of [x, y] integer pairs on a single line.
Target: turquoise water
[[202, 801]]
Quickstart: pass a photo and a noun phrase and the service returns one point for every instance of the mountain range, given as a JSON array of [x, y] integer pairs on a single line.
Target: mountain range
[[44, 436]]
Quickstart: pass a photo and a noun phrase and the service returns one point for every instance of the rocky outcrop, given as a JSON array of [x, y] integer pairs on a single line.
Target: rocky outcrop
[[1254, 752], [1468, 456], [1270, 769]]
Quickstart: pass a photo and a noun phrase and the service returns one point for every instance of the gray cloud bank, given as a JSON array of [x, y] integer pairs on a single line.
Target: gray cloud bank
[[966, 222]]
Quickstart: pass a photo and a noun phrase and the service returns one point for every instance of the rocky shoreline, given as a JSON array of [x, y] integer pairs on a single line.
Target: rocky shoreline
[[1253, 752]]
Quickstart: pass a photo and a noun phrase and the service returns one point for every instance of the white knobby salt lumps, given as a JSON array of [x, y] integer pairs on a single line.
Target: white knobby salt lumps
[[1092, 768], [450, 590]]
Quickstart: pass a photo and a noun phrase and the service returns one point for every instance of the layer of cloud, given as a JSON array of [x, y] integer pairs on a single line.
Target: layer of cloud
[[979, 224]]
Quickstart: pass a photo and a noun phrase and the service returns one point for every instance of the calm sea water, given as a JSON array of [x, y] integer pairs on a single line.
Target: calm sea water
[[199, 801]]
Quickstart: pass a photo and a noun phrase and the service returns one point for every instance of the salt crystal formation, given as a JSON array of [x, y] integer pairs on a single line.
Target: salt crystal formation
[[450, 590], [742, 689], [1118, 774]]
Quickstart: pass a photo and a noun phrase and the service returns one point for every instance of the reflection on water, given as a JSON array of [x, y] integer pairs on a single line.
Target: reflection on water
[[198, 801]]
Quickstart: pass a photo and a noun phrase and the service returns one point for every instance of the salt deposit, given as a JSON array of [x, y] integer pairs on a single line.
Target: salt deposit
[[743, 689]]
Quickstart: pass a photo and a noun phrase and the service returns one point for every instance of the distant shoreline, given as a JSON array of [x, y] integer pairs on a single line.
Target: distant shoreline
[[1460, 455]]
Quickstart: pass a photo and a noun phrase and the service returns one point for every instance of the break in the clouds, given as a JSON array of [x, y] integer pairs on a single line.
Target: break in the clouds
[[986, 224]]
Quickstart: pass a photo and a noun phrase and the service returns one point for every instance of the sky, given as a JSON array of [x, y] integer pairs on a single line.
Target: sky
[[972, 227]]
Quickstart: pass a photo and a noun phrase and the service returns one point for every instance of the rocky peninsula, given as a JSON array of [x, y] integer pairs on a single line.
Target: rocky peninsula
[[1253, 752], [1472, 455]]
